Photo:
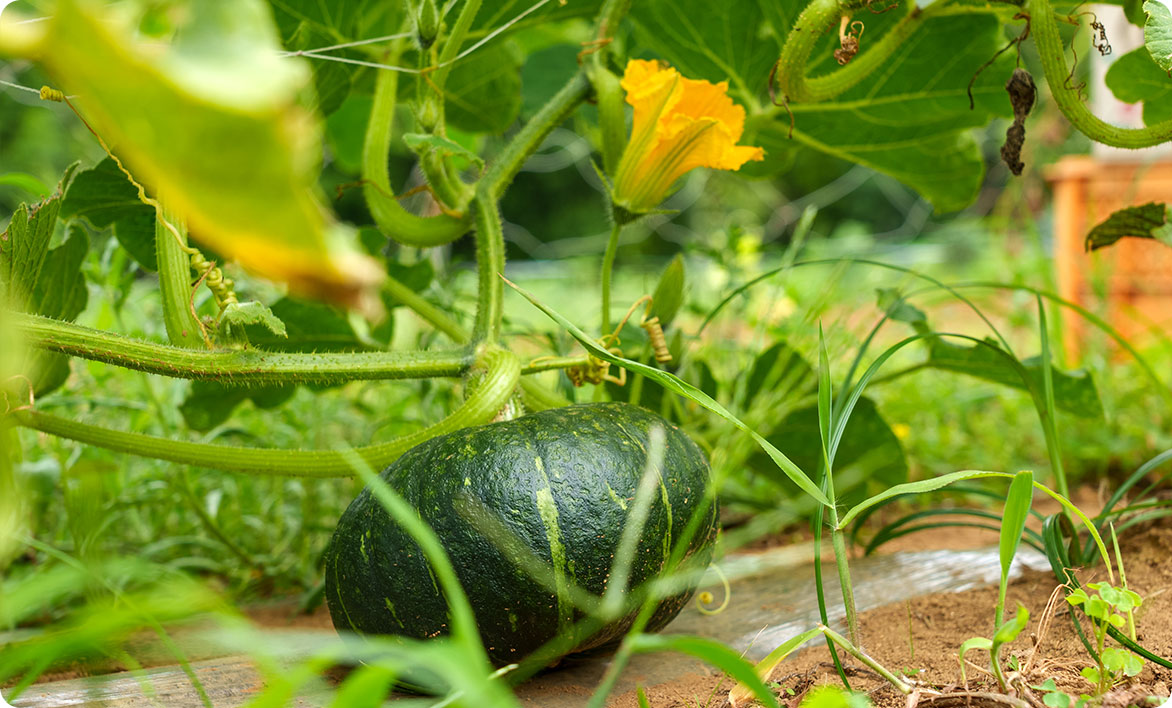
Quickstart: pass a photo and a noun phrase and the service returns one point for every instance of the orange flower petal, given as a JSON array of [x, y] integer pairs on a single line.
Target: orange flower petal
[[679, 124]]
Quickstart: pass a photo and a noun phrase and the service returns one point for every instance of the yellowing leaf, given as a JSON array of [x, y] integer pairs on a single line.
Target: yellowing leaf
[[210, 120]]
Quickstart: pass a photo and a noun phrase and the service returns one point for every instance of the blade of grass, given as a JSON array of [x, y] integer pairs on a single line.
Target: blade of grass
[[673, 383], [1050, 419], [712, 652], [1017, 508]]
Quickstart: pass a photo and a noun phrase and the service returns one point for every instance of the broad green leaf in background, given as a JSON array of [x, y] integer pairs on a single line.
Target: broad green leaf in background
[[346, 131], [1134, 11], [483, 92], [209, 404], [911, 119], [545, 72], [1074, 391], [23, 247], [712, 40], [105, 197], [1135, 77], [307, 25], [60, 293], [494, 14], [1158, 33], [337, 21], [780, 368], [43, 281], [1148, 221], [211, 121]]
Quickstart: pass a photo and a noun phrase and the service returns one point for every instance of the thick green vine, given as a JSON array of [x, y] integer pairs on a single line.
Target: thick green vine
[[490, 262], [1052, 53], [390, 216], [502, 371], [183, 326], [238, 367], [819, 17]]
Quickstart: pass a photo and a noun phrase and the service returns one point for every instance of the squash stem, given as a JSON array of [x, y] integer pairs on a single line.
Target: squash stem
[[183, 326], [503, 371], [608, 257], [390, 216], [240, 367], [490, 263]]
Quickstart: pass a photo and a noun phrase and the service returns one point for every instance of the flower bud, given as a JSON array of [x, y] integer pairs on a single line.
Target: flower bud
[[427, 23]]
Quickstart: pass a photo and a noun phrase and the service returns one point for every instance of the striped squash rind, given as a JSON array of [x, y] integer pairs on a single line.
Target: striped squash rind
[[562, 481]]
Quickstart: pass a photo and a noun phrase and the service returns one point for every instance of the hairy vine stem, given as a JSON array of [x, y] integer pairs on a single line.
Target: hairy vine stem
[[240, 367], [1044, 29], [390, 216], [502, 372], [251, 367], [183, 326], [612, 247], [811, 25], [490, 263]]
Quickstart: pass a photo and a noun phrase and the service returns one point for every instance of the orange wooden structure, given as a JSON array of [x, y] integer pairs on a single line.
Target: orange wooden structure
[[1130, 283]]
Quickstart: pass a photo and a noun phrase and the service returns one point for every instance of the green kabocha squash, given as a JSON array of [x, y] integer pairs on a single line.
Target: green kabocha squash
[[562, 482]]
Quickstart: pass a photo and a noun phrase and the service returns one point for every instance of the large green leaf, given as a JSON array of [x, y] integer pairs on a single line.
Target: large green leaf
[[495, 14], [23, 247], [711, 40], [1148, 221], [43, 281], [105, 197], [309, 24], [60, 293], [780, 368], [208, 403], [910, 119], [1074, 391], [1158, 33], [211, 120], [1135, 77], [483, 92]]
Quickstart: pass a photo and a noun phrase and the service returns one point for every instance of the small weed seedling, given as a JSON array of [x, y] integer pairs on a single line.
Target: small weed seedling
[[1108, 605], [1053, 697], [1006, 633]]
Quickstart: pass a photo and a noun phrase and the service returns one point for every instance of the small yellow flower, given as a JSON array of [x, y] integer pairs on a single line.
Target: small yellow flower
[[679, 124]]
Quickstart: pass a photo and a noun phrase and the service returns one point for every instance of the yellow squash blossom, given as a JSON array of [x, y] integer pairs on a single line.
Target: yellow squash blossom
[[679, 124]]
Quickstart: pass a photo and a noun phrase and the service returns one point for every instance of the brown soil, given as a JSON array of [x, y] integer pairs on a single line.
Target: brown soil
[[920, 639]]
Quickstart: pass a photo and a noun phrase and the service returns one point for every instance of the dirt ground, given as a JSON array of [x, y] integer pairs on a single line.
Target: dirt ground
[[920, 639]]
